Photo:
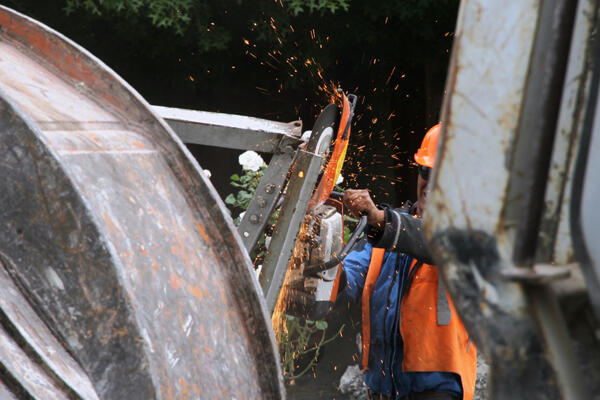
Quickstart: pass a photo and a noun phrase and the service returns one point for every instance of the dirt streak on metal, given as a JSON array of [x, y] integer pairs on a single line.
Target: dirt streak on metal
[[493, 312]]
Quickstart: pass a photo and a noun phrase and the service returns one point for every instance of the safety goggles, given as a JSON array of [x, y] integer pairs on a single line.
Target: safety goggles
[[424, 172]]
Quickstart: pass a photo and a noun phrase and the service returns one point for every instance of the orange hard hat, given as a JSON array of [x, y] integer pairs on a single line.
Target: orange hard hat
[[426, 154]]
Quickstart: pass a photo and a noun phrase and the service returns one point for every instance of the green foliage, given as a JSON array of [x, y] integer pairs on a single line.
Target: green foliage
[[300, 6], [247, 184], [173, 14], [349, 226], [301, 338], [269, 59], [195, 17]]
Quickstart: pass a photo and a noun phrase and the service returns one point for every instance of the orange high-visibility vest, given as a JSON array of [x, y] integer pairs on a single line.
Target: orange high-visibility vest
[[428, 346], [372, 276]]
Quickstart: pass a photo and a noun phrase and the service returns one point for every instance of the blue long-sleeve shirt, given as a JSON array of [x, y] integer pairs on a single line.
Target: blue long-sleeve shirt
[[385, 374]]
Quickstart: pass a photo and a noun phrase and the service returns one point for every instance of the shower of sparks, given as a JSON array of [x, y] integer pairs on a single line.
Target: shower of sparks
[[375, 128]]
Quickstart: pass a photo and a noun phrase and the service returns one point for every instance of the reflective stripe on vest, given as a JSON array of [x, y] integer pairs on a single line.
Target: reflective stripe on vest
[[372, 275], [433, 340], [433, 334]]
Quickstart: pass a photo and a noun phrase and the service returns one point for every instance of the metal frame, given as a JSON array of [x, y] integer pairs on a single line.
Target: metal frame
[[244, 133], [269, 190], [299, 190], [515, 98]]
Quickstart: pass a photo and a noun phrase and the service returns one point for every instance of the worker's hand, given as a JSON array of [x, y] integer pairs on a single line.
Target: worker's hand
[[359, 203]]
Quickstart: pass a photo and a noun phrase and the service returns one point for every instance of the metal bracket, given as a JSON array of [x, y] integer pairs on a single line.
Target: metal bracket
[[267, 193], [538, 274], [300, 188], [244, 133]]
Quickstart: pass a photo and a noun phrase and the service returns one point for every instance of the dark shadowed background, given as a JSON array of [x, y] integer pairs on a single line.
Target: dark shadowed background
[[272, 58]]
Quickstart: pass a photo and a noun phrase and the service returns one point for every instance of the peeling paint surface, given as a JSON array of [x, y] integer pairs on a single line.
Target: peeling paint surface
[[576, 93], [478, 131], [119, 242], [465, 219]]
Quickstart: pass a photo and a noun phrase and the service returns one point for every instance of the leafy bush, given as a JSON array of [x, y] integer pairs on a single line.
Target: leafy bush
[[297, 341]]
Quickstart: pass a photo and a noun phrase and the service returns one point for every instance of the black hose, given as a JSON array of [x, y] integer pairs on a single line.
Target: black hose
[[312, 270]]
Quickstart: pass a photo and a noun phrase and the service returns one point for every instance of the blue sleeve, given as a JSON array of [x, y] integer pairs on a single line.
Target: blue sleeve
[[356, 265]]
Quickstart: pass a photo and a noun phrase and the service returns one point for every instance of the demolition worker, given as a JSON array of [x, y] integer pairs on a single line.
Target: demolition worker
[[414, 346]]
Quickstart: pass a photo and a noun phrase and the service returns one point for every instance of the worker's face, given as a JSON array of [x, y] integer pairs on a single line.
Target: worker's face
[[422, 191]]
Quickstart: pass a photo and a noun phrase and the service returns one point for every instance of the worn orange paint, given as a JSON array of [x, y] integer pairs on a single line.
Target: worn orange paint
[[185, 253], [54, 52], [175, 281], [184, 389], [108, 222], [76, 65], [138, 144], [180, 316], [143, 250], [196, 291], [170, 391], [155, 267], [202, 232], [122, 332], [175, 249]]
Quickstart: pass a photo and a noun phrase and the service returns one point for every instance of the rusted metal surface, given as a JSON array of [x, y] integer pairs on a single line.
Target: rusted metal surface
[[499, 118], [529, 165], [585, 194], [532, 146], [555, 242], [480, 132], [111, 232], [590, 218], [538, 273]]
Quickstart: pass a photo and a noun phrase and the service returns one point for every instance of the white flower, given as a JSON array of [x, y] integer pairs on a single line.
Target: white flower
[[306, 136], [250, 160], [340, 179], [207, 173]]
